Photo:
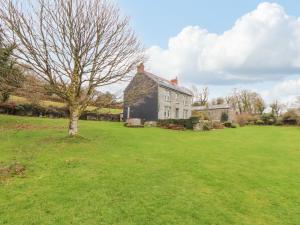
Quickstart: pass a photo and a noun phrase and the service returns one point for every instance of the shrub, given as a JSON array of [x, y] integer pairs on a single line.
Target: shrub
[[268, 119], [8, 108], [217, 125], [4, 96], [186, 123], [233, 125], [228, 124], [290, 118], [224, 117], [20, 109], [279, 123], [259, 122], [244, 119], [194, 119], [206, 127], [200, 115]]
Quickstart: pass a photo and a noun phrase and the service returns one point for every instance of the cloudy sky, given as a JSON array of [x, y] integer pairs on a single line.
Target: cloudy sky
[[222, 44]]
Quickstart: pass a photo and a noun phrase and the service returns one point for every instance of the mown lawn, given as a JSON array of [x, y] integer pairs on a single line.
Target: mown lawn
[[118, 175]]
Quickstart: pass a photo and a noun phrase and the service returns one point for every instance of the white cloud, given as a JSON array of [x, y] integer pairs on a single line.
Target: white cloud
[[263, 45], [288, 87], [286, 91]]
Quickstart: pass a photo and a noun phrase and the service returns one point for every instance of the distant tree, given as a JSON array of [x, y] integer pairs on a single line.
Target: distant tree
[[33, 89], [298, 102], [291, 117], [105, 100], [259, 105], [276, 108], [10, 75], [220, 101], [200, 95], [75, 46], [245, 101]]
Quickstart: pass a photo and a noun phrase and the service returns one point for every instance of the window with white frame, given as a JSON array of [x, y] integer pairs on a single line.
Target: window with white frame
[[167, 112], [167, 96]]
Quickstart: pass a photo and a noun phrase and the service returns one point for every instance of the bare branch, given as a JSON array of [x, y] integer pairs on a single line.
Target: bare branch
[[76, 46]]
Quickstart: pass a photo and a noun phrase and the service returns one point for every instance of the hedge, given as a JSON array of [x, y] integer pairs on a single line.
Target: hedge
[[52, 112], [187, 123]]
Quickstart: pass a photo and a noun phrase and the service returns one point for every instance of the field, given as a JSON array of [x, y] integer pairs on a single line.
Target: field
[[45, 103], [118, 175]]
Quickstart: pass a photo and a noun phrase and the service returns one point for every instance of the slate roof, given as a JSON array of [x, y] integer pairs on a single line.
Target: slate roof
[[211, 107], [165, 83]]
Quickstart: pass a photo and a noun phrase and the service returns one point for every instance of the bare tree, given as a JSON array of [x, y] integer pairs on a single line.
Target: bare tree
[[200, 96], [276, 108], [220, 101], [75, 46], [298, 102], [245, 101], [11, 76], [259, 105]]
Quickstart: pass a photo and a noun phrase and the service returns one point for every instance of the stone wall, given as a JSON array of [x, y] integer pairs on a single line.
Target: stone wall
[[176, 100]]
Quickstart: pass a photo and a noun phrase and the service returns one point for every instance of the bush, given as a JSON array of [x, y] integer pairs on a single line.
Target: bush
[[206, 127], [32, 110], [233, 125], [279, 123], [224, 117], [228, 124], [4, 96], [268, 119], [243, 119], [186, 123], [290, 118], [217, 125], [200, 115], [194, 119], [259, 122]]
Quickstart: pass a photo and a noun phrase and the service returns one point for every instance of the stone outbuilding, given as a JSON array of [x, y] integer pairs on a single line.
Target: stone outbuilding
[[214, 112]]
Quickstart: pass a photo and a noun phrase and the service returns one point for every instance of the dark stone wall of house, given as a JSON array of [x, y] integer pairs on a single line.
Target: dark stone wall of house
[[141, 95]]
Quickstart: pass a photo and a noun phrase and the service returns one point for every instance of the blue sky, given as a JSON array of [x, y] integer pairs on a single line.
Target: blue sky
[[224, 45], [156, 21]]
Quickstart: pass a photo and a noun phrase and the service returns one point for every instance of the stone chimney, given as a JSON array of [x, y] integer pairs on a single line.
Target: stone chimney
[[140, 68], [174, 81]]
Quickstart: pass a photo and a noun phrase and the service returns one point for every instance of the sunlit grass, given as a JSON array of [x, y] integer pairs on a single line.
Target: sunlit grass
[[115, 175]]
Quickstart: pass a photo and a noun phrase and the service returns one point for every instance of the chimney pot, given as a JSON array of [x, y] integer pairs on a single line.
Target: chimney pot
[[140, 68], [174, 81]]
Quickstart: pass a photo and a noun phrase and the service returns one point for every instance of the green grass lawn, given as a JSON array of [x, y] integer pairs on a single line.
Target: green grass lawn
[[118, 175]]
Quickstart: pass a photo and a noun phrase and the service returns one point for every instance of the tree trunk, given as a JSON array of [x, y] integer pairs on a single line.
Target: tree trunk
[[73, 124]]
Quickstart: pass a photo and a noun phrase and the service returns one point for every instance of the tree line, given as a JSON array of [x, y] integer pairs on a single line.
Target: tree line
[[242, 101]]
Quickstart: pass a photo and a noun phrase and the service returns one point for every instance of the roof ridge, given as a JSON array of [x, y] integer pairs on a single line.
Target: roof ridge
[[166, 83]]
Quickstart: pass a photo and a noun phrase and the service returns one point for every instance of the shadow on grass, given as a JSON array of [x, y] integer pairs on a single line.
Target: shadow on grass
[[67, 140], [74, 139]]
